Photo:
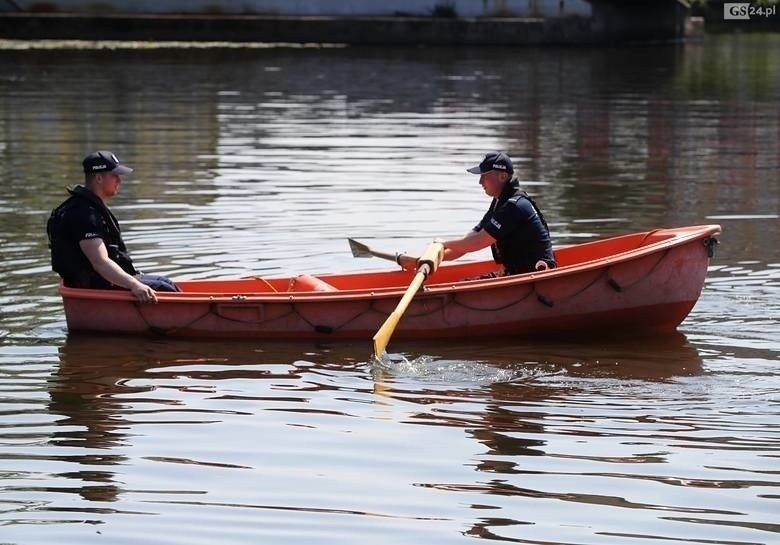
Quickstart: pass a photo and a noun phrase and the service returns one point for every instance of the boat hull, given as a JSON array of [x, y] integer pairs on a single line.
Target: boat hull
[[640, 283]]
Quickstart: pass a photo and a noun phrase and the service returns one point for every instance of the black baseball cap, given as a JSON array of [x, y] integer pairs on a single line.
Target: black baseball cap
[[104, 161], [497, 160]]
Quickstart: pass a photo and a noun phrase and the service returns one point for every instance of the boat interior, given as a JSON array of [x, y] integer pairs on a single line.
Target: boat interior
[[448, 273]]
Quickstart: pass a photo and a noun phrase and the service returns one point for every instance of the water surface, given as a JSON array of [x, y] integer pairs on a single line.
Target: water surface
[[263, 161]]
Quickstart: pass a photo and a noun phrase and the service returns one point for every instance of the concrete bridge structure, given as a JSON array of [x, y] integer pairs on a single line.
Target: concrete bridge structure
[[353, 22]]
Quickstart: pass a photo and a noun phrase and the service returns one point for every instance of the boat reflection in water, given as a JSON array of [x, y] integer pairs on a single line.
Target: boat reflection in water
[[108, 388], [100, 365]]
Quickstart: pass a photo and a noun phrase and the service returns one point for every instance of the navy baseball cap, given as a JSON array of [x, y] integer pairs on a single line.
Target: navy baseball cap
[[104, 161], [497, 160]]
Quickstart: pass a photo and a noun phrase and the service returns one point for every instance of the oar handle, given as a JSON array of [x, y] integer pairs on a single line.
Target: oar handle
[[432, 257]]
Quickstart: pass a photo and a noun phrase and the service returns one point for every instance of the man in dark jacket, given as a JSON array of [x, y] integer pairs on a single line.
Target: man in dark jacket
[[86, 244], [513, 225]]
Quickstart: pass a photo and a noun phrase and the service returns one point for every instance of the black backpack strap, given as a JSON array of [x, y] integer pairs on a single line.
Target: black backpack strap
[[524, 195]]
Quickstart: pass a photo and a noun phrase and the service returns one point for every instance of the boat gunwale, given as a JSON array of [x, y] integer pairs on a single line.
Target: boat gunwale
[[679, 236]]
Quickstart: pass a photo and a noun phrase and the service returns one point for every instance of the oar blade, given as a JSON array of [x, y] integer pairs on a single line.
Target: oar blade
[[382, 337], [363, 250], [359, 249]]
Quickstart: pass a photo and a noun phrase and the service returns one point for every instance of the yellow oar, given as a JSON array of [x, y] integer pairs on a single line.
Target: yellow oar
[[429, 262]]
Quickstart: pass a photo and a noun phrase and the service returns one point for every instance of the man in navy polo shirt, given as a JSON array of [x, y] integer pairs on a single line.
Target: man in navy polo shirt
[[86, 244], [513, 225]]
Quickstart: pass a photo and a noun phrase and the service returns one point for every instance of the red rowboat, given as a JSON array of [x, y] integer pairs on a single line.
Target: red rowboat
[[639, 283]]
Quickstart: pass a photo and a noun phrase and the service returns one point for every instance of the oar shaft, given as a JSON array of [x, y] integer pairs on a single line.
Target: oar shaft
[[364, 250], [429, 262], [382, 337], [383, 255]]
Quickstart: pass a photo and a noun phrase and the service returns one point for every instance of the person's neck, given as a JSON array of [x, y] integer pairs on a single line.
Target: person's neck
[[94, 190], [508, 187]]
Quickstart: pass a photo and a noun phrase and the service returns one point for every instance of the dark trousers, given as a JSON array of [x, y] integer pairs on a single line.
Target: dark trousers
[[157, 282]]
